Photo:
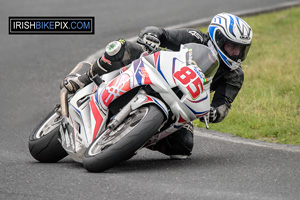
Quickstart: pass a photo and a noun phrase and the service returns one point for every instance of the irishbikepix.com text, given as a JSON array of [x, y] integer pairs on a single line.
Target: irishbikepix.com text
[[51, 25]]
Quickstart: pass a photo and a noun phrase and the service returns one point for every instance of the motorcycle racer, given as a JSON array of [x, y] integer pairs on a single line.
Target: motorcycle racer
[[228, 36]]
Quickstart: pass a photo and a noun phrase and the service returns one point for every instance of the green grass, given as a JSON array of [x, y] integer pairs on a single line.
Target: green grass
[[268, 105]]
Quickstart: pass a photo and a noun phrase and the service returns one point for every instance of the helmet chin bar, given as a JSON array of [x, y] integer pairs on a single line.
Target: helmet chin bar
[[235, 65], [232, 65]]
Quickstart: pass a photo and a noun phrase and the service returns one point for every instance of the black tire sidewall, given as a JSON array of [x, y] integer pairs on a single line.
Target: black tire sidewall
[[46, 149], [32, 136], [128, 145]]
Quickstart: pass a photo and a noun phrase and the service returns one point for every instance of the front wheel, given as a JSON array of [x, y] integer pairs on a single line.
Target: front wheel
[[44, 145], [113, 147]]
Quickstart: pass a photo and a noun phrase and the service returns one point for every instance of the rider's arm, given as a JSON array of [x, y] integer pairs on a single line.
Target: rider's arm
[[173, 38], [226, 86]]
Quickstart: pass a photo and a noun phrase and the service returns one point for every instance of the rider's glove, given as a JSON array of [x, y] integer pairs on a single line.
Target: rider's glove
[[75, 82], [151, 40], [212, 114]]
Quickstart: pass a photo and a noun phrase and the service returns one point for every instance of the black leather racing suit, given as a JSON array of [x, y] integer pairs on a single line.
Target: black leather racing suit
[[226, 83]]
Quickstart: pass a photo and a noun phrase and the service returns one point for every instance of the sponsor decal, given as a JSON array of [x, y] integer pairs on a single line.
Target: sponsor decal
[[122, 41], [190, 60], [196, 35], [117, 87], [142, 76], [105, 60], [111, 47]]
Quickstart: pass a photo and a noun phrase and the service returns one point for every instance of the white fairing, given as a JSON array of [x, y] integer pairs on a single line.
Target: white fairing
[[173, 66], [164, 72]]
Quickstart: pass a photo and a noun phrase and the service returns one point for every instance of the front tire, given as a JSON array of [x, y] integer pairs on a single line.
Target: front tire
[[118, 145], [44, 145]]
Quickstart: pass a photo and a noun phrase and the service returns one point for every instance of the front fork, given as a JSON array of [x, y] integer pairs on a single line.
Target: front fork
[[140, 99], [118, 119], [206, 120], [64, 110]]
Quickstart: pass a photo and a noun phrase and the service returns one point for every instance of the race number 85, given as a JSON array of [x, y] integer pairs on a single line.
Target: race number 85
[[186, 76]]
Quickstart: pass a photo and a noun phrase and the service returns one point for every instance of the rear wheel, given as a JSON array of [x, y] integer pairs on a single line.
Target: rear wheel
[[44, 145], [113, 147]]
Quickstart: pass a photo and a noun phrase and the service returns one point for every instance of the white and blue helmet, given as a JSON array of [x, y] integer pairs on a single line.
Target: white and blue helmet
[[226, 27]]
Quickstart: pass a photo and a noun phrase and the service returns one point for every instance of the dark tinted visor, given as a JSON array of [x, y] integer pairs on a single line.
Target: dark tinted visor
[[234, 51]]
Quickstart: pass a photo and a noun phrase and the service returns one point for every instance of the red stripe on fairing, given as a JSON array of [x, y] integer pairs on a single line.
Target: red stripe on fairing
[[201, 115], [149, 99], [181, 120], [156, 55], [147, 79], [97, 116]]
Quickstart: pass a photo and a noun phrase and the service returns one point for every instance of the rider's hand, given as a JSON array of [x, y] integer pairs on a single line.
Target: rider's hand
[[75, 82], [212, 115], [151, 40]]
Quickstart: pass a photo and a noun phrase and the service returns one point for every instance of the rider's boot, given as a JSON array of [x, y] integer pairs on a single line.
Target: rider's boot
[[178, 145]]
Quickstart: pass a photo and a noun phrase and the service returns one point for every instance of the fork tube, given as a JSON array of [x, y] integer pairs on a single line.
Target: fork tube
[[64, 102]]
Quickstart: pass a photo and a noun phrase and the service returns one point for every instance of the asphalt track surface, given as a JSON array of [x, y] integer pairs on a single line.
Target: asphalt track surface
[[221, 166]]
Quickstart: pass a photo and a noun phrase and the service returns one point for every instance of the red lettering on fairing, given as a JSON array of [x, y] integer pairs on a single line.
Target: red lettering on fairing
[[186, 76]]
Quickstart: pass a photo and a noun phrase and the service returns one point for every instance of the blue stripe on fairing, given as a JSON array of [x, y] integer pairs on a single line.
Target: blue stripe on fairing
[[161, 107], [97, 95], [159, 70], [138, 76], [81, 120], [178, 127], [199, 100], [196, 113]]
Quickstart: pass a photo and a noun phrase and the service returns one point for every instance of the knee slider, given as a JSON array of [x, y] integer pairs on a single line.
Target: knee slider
[[115, 50], [114, 53]]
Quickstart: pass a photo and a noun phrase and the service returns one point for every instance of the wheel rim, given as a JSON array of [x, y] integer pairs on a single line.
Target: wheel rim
[[49, 125], [109, 137]]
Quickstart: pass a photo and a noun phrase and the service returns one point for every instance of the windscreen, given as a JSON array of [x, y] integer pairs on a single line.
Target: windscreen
[[204, 58]]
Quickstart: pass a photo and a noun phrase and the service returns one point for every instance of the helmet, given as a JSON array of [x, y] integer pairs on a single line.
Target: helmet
[[232, 38]]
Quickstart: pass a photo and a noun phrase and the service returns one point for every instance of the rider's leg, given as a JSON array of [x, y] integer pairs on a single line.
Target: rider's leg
[[178, 145], [117, 55]]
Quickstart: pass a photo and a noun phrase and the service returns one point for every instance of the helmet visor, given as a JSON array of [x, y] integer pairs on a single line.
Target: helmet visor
[[235, 51]]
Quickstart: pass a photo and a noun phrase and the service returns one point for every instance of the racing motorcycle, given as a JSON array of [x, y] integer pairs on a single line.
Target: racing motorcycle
[[109, 120]]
